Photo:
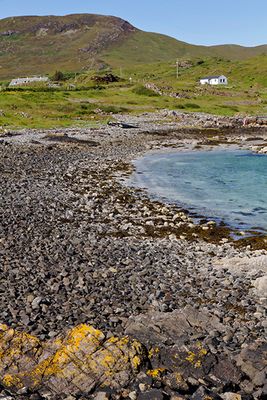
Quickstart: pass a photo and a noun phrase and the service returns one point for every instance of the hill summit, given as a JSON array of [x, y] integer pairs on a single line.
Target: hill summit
[[42, 44]]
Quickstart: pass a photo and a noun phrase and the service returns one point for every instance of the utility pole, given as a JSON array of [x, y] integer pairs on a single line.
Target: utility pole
[[177, 68]]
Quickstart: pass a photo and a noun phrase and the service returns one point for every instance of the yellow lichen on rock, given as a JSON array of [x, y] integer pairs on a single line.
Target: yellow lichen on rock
[[17, 350], [3, 328], [80, 361], [10, 380], [196, 358], [153, 352], [155, 373], [136, 351]]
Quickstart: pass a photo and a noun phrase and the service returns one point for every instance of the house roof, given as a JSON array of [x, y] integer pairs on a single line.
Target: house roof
[[212, 77]]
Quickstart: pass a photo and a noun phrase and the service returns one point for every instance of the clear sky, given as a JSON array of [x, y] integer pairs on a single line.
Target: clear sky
[[195, 21]]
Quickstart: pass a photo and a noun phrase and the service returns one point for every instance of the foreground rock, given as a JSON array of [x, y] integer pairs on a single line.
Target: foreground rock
[[179, 358], [188, 345], [82, 361]]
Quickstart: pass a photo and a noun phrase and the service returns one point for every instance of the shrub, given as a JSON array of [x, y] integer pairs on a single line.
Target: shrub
[[58, 76], [143, 91], [191, 105]]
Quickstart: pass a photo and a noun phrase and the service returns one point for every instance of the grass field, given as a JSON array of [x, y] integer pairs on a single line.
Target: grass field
[[88, 103]]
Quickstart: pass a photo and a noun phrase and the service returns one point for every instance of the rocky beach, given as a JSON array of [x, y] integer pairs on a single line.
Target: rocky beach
[[108, 294]]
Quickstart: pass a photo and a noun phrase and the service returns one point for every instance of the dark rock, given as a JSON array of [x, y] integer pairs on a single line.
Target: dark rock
[[153, 394], [226, 371], [202, 394]]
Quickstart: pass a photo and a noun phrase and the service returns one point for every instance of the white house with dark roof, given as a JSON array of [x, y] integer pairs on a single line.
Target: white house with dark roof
[[214, 80]]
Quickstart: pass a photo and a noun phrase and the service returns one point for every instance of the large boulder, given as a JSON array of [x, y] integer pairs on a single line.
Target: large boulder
[[81, 361]]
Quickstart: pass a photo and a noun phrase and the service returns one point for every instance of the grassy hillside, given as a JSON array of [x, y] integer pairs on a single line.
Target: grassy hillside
[[41, 45], [88, 103], [245, 74], [144, 47]]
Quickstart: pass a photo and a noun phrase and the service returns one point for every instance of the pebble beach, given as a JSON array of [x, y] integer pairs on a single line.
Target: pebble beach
[[77, 246]]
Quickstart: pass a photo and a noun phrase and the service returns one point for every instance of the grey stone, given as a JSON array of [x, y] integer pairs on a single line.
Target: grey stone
[[153, 394], [102, 396]]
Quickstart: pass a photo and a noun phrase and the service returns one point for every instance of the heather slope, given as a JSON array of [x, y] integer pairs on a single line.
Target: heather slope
[[40, 45]]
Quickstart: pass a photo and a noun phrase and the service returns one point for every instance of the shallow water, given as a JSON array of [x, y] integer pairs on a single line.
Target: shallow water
[[225, 185]]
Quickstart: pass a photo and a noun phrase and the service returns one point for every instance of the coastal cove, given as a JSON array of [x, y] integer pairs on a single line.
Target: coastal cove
[[90, 261], [224, 184]]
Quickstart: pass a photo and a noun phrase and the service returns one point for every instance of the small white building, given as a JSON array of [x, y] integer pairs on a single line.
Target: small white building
[[26, 81], [214, 80]]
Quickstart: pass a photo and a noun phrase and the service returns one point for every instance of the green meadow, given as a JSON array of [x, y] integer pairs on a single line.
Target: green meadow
[[79, 101]]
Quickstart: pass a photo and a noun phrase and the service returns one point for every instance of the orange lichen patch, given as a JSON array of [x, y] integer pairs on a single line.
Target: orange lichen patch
[[11, 381], [78, 342], [81, 360], [156, 373], [17, 349], [118, 353]]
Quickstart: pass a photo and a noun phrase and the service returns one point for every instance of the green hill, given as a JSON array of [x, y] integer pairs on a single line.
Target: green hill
[[40, 45], [146, 47], [243, 74]]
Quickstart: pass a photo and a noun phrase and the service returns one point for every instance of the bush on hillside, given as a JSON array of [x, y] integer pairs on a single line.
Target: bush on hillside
[[108, 78], [58, 76], [143, 91], [191, 105]]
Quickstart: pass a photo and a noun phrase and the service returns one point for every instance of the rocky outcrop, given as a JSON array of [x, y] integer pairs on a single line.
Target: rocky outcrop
[[186, 344], [82, 361], [181, 357], [255, 267], [9, 33]]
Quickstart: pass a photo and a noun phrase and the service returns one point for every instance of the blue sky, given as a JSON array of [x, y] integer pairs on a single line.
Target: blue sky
[[195, 21]]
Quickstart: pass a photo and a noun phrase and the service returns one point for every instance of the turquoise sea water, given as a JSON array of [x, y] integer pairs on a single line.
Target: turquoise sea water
[[225, 185]]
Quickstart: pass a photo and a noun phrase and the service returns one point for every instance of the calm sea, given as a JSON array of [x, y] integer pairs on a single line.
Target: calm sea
[[225, 185]]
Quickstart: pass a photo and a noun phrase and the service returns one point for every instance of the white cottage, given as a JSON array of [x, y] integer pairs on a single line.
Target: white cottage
[[214, 80], [26, 81]]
